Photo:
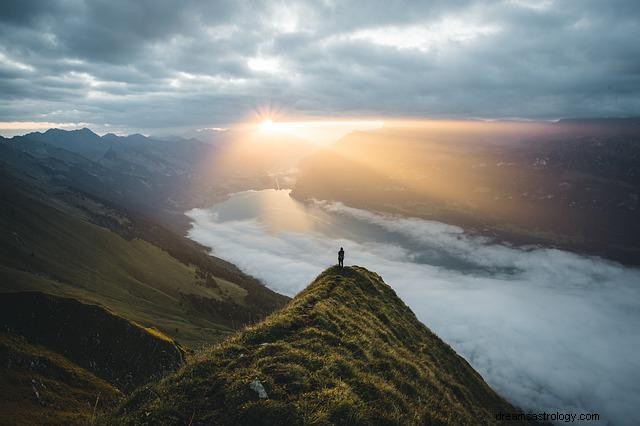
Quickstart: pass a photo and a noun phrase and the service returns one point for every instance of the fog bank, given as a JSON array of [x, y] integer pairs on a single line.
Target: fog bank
[[549, 330]]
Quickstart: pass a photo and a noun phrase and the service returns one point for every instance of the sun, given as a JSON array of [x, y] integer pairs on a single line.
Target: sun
[[270, 127], [267, 125]]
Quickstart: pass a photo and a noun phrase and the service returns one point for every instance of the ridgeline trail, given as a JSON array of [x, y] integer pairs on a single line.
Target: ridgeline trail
[[346, 350]]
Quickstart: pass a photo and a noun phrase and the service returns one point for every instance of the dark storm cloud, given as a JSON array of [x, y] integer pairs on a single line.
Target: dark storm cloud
[[154, 65]]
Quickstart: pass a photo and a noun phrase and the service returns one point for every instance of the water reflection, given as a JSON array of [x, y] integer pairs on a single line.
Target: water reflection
[[277, 212]]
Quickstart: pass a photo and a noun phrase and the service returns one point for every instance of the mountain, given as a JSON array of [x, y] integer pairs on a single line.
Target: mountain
[[346, 350], [158, 179], [574, 184], [65, 362], [68, 244], [82, 142], [87, 335]]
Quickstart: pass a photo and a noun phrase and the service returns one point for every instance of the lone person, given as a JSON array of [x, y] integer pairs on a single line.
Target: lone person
[[341, 257]]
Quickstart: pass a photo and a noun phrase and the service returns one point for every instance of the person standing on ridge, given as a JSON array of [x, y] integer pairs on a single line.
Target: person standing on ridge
[[341, 257]]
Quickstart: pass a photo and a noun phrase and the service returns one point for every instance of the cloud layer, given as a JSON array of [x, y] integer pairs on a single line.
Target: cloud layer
[[549, 330], [160, 65]]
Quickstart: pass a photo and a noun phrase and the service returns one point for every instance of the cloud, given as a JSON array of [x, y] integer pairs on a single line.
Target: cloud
[[548, 329], [155, 65], [21, 127]]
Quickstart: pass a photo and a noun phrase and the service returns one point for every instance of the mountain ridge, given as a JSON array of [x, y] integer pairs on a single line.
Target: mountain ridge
[[346, 350]]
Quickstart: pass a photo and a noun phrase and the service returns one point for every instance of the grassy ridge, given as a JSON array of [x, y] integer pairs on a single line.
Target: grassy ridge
[[346, 350]]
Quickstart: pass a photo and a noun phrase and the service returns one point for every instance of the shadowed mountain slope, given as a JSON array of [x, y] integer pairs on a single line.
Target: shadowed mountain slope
[[114, 349], [63, 362], [41, 387], [346, 350]]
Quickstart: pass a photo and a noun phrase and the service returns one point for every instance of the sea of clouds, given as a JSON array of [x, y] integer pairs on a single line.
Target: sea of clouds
[[549, 330]]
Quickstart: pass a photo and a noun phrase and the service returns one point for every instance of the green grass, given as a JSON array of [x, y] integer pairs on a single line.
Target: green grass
[[45, 248], [346, 350], [66, 393]]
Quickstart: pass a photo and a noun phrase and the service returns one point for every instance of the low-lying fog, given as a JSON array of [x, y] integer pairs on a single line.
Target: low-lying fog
[[549, 330]]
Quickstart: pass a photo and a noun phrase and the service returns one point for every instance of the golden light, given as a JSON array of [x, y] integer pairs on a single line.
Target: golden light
[[319, 132], [267, 126]]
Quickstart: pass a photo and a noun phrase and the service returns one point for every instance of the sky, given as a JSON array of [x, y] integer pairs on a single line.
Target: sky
[[549, 330], [162, 66]]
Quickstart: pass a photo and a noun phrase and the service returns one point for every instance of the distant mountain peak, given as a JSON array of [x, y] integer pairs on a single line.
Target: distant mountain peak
[[86, 130], [83, 132]]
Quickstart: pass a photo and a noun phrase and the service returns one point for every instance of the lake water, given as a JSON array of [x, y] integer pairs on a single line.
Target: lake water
[[549, 330]]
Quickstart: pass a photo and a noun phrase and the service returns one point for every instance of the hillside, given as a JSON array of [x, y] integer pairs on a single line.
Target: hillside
[[53, 243], [38, 386], [65, 362], [346, 350], [114, 349]]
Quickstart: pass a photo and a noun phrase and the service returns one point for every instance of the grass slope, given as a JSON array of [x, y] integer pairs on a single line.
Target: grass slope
[[346, 350], [40, 387], [46, 246], [114, 349]]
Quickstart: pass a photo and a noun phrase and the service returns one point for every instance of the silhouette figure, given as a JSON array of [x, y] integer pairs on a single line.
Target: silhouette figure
[[341, 257]]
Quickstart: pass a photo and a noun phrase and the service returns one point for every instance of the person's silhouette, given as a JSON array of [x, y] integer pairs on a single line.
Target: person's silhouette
[[341, 257]]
